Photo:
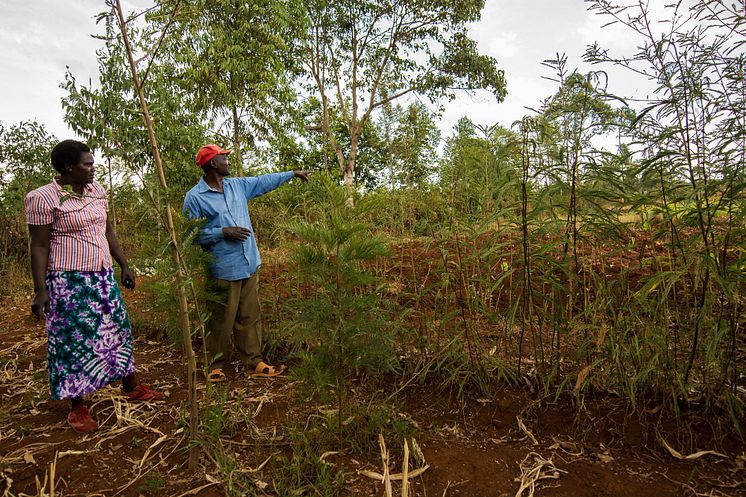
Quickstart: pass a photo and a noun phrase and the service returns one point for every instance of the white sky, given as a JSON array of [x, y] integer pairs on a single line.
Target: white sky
[[39, 38]]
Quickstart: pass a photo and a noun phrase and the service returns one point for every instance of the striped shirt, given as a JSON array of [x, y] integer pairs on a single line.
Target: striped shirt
[[78, 237]]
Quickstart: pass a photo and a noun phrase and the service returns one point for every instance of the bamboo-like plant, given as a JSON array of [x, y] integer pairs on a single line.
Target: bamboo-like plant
[[189, 355], [691, 137]]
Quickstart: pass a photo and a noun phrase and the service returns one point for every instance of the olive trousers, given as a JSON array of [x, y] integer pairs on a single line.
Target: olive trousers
[[234, 316]]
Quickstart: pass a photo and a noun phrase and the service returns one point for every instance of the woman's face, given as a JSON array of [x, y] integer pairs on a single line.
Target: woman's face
[[83, 172]]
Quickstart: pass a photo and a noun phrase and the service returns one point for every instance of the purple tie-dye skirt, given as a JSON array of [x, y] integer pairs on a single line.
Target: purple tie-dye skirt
[[88, 331]]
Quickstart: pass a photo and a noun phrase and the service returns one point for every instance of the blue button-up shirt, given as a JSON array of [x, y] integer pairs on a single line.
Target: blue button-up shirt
[[233, 259]]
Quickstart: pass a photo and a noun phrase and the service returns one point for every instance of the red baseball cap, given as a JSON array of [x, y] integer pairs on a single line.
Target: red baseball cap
[[206, 153]]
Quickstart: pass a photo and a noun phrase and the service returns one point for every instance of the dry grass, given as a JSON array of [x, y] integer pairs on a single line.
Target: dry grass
[[34, 437], [534, 468], [404, 477]]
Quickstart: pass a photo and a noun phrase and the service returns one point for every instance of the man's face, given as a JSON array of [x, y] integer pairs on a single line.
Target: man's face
[[220, 163]]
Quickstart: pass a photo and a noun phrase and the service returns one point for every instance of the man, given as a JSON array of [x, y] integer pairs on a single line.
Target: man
[[229, 236]]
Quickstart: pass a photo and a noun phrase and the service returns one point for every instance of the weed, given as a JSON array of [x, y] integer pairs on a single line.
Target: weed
[[315, 376], [305, 468], [215, 422], [452, 368], [23, 430], [153, 485], [734, 406], [219, 422], [363, 423]]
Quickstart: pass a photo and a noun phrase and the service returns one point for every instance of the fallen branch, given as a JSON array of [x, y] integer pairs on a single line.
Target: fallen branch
[[386, 477]]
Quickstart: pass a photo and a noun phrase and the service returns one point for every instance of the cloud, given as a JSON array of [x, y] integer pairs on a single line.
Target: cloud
[[614, 37], [524, 92], [37, 41], [503, 45]]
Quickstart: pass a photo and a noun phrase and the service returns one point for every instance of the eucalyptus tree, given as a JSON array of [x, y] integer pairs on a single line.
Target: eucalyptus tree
[[413, 145], [478, 163], [463, 156], [372, 150], [397, 148], [108, 115], [181, 270], [360, 55], [304, 148], [234, 62], [24, 160]]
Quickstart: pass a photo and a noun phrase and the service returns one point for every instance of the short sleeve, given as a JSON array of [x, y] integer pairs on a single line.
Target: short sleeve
[[39, 208]]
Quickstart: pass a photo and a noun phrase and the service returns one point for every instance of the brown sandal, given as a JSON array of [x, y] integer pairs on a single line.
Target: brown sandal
[[264, 370], [216, 376]]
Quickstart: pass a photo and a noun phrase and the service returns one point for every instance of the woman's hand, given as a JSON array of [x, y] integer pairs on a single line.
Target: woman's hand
[[128, 278], [40, 304]]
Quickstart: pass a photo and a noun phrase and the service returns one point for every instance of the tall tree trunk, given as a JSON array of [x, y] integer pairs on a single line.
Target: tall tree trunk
[[175, 254], [348, 170], [237, 151]]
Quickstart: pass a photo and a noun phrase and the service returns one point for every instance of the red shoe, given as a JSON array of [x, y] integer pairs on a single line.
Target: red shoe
[[80, 420], [144, 393]]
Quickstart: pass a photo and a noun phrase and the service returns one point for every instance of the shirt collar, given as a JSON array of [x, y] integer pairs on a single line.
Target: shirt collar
[[203, 187], [58, 187]]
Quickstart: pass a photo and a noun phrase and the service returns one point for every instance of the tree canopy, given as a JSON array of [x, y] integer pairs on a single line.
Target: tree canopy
[[361, 55]]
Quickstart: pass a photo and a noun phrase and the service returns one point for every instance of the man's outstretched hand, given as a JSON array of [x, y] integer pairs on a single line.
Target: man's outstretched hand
[[303, 175], [236, 233]]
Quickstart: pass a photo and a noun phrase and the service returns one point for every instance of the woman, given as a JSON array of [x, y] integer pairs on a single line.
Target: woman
[[72, 241]]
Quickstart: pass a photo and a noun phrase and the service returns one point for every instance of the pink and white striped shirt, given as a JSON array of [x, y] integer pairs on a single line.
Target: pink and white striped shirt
[[78, 238]]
